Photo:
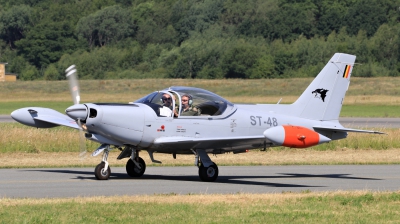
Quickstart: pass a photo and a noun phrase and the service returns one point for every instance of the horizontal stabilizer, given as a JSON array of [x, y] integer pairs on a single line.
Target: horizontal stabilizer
[[347, 130]]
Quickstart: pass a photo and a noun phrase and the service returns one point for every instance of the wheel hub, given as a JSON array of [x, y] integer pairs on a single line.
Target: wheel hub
[[210, 172], [104, 172], [138, 169]]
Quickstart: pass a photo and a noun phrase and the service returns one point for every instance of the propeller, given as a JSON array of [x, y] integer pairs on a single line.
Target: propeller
[[71, 75], [73, 83]]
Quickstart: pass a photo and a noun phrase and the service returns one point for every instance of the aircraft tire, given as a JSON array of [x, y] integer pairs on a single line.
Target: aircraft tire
[[132, 170], [208, 174], [100, 173]]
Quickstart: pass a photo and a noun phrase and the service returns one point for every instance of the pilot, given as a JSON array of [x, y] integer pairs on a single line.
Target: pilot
[[167, 103], [167, 100], [187, 106]]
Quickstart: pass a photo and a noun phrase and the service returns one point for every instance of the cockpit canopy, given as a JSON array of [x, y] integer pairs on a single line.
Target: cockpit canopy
[[204, 102]]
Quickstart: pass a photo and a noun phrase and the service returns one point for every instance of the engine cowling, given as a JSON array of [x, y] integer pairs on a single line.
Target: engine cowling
[[116, 122], [294, 136]]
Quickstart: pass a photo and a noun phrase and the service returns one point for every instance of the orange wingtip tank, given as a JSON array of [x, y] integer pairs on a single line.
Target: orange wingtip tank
[[294, 136]]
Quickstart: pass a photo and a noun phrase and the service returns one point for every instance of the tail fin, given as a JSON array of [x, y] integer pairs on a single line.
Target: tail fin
[[323, 98]]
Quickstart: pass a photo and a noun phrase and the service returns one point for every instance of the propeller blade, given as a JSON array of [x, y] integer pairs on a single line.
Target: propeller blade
[[82, 138], [71, 75]]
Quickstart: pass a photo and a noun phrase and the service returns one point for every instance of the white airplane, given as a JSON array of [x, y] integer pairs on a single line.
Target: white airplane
[[202, 122]]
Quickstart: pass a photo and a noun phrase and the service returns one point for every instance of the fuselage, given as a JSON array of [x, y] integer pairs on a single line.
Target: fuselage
[[138, 125]]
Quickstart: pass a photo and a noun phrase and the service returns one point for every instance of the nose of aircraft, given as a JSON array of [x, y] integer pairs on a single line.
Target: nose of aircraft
[[77, 111]]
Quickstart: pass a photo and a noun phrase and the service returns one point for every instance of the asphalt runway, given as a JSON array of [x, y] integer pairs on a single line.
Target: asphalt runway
[[73, 182], [361, 122], [6, 119], [350, 122]]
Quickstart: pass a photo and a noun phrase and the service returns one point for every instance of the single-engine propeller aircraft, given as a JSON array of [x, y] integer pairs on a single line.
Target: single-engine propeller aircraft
[[186, 120]]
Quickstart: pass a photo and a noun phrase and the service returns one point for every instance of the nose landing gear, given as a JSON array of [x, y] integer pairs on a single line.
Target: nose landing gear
[[102, 170]]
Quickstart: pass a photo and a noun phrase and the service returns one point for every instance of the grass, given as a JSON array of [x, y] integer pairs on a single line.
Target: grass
[[287, 207], [370, 111], [8, 107], [382, 86], [16, 137]]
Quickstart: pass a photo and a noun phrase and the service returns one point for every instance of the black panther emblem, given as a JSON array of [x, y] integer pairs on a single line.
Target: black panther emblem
[[320, 93]]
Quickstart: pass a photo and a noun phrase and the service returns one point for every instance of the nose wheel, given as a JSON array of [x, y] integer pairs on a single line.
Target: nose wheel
[[101, 172]]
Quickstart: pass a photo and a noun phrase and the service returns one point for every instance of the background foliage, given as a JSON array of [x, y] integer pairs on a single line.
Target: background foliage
[[207, 39]]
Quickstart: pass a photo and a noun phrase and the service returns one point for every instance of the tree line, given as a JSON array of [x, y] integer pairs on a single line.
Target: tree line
[[207, 39]]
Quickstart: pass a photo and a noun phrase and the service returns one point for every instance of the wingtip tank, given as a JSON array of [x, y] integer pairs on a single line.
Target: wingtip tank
[[27, 116], [294, 136]]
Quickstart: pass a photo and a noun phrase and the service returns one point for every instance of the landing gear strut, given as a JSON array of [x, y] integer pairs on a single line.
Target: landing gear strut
[[135, 166], [208, 170], [102, 170]]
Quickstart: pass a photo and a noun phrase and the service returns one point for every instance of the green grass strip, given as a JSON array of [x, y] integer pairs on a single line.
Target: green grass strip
[[306, 207], [370, 111]]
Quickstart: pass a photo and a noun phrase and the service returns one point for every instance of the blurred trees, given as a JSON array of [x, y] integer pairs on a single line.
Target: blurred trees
[[109, 39], [14, 23], [106, 26]]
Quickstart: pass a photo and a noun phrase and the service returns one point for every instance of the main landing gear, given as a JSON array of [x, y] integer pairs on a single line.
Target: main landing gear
[[135, 166], [208, 170]]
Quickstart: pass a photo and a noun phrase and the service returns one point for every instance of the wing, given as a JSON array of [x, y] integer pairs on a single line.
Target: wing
[[42, 118], [224, 143]]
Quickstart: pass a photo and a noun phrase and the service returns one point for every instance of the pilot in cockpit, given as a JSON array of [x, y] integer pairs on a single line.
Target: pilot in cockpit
[[187, 106], [167, 108]]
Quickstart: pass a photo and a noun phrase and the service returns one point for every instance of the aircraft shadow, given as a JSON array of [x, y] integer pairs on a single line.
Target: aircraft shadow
[[239, 180], [336, 176]]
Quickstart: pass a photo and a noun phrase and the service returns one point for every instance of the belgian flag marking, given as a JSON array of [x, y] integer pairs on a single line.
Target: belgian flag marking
[[346, 71]]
